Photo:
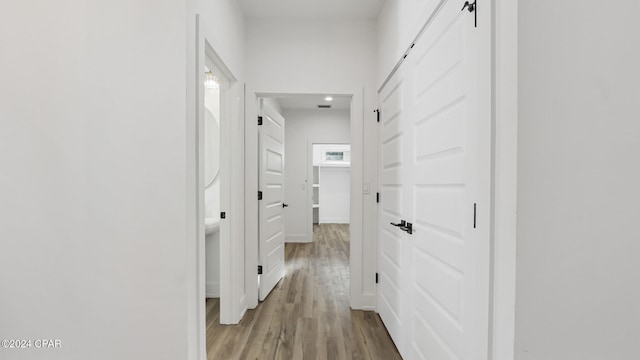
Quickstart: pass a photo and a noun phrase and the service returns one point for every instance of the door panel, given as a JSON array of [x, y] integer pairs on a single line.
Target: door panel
[[432, 178], [392, 168], [441, 190], [271, 216]]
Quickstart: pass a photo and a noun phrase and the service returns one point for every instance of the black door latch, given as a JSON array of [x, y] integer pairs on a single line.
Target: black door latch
[[402, 223], [472, 7], [404, 226], [408, 228]]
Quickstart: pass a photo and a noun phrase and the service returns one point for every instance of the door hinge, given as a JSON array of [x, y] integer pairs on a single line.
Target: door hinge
[[377, 111], [259, 269], [259, 195], [472, 7], [259, 120], [376, 278], [377, 197], [223, 215], [474, 215]]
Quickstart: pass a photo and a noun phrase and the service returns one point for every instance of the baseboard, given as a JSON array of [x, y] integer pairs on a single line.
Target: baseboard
[[365, 302], [212, 290], [243, 306], [334, 221], [298, 238]]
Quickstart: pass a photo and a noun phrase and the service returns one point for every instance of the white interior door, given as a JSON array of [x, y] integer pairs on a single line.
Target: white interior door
[[393, 174], [271, 207], [435, 173]]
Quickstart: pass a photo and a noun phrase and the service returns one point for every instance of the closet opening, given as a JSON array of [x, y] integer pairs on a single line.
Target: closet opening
[[330, 176]]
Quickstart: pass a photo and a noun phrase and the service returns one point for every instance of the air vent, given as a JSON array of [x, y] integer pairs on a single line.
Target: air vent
[[324, 106]]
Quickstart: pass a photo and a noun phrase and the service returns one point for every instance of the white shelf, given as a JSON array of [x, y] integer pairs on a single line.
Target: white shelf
[[336, 165]]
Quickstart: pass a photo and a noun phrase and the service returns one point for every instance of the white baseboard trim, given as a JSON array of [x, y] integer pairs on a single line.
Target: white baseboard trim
[[297, 238], [212, 290], [243, 306], [365, 302], [368, 302], [334, 221]]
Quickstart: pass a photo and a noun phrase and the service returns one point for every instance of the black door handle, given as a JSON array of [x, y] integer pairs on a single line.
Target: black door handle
[[401, 224], [285, 205], [405, 226], [408, 228]]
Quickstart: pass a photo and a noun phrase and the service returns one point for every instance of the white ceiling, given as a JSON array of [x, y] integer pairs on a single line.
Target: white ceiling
[[309, 102], [312, 9]]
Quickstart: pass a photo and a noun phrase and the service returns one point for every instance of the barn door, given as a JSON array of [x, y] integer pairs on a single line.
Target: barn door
[[394, 172], [271, 199], [435, 174]]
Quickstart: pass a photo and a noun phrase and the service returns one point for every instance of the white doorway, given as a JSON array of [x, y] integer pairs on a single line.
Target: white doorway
[[308, 120], [210, 218], [329, 173], [215, 111], [214, 85], [286, 193]]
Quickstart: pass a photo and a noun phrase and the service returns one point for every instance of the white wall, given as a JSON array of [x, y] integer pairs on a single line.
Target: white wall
[[302, 126], [225, 30], [339, 57], [578, 176], [93, 152], [92, 147], [334, 195], [275, 104], [307, 56]]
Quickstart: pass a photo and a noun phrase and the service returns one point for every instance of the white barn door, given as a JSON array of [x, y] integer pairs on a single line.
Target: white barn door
[[393, 173], [271, 207], [435, 135]]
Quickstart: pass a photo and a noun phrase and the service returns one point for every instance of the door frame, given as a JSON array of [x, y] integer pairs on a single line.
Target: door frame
[[310, 143], [357, 298], [207, 54], [504, 180], [230, 309]]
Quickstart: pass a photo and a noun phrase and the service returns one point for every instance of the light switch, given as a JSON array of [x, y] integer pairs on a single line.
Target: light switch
[[366, 187]]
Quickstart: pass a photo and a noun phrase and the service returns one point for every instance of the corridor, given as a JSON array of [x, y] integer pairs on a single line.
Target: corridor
[[307, 315]]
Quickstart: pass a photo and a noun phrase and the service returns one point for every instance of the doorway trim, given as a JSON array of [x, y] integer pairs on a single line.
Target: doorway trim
[[504, 180], [358, 298], [230, 309]]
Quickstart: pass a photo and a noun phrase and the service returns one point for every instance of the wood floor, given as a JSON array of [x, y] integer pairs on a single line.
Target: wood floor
[[307, 315]]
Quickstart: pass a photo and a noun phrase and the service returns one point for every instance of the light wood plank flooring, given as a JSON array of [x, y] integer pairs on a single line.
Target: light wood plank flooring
[[307, 315]]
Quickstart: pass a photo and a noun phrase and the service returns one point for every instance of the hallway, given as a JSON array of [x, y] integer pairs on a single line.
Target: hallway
[[307, 315]]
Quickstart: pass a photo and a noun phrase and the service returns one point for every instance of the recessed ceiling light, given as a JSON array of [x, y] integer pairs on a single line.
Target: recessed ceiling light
[[328, 98]]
